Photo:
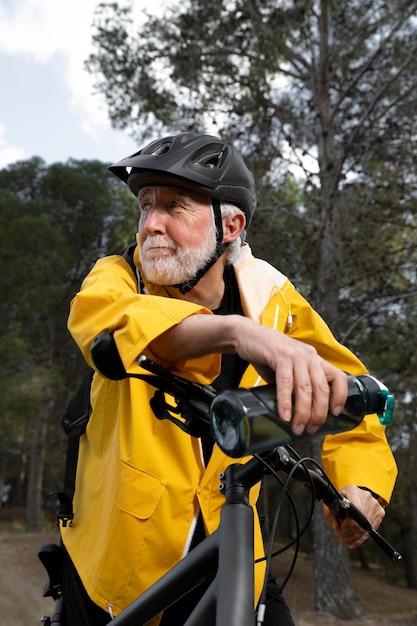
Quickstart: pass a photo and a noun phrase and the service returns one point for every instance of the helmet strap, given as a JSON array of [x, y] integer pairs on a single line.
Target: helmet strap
[[220, 248]]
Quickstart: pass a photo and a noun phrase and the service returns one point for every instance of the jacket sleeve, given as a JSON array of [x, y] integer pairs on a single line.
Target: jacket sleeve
[[361, 456], [109, 301]]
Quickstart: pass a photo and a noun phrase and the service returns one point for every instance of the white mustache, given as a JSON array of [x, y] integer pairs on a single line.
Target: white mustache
[[156, 241]]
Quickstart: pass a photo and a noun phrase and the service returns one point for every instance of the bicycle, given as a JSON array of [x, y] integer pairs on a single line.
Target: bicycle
[[225, 558]]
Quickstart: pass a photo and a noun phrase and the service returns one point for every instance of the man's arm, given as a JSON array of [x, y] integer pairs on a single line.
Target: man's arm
[[306, 384]]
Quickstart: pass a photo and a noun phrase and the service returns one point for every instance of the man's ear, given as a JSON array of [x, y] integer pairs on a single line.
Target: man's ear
[[233, 226]]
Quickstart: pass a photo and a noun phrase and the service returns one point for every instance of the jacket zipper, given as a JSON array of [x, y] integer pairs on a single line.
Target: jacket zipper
[[191, 533]]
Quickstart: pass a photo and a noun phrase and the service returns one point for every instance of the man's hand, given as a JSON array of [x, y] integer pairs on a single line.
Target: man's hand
[[307, 386], [348, 531]]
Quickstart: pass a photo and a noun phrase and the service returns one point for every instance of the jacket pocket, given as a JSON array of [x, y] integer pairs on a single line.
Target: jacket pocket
[[128, 499], [138, 492]]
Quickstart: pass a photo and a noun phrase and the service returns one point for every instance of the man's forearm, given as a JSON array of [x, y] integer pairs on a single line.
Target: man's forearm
[[197, 335]]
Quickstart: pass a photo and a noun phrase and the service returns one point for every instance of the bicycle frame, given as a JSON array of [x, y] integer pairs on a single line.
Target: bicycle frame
[[228, 553], [229, 600]]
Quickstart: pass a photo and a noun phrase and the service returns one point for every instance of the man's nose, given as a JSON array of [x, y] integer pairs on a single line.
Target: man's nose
[[155, 219]]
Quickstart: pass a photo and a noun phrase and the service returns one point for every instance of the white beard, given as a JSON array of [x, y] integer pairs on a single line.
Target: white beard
[[175, 265]]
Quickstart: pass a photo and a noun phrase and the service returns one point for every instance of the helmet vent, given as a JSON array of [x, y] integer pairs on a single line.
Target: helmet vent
[[210, 157], [162, 148]]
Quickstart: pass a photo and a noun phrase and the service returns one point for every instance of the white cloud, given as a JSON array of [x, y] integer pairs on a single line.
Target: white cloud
[[9, 154], [48, 106], [41, 28], [44, 29]]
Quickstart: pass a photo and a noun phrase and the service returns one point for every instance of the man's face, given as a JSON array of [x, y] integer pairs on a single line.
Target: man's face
[[177, 235]]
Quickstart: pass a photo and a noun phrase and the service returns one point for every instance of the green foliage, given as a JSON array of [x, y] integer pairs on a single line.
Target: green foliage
[[264, 74], [281, 227], [55, 221]]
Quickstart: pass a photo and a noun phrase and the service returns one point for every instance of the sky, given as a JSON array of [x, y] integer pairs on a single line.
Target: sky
[[47, 103]]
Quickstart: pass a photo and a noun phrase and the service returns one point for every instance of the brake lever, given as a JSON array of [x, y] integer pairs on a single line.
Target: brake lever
[[325, 491], [354, 513]]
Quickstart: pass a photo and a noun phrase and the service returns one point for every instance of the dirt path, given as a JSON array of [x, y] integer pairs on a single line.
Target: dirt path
[[383, 604], [22, 578]]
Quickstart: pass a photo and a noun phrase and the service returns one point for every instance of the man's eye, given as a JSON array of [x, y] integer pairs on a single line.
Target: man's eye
[[145, 207]]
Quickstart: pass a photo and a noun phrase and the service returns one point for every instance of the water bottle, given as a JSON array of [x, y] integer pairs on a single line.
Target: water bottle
[[245, 421]]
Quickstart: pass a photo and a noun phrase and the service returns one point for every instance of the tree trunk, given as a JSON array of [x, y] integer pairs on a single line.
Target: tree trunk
[[36, 470], [334, 593], [410, 558], [333, 589], [410, 555], [333, 585]]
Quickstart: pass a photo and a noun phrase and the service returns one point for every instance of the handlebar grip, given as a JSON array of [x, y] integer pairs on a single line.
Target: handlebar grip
[[246, 421], [106, 357]]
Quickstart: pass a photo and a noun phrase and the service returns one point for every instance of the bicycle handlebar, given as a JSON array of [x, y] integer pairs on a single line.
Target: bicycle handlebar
[[193, 402]]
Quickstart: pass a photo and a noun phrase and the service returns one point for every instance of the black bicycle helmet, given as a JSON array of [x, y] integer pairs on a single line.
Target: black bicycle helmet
[[201, 162]]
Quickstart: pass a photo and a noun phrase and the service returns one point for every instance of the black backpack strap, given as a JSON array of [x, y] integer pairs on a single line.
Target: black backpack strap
[[127, 254], [74, 422]]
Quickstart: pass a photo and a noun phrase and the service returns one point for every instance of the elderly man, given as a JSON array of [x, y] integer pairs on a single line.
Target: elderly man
[[201, 305]]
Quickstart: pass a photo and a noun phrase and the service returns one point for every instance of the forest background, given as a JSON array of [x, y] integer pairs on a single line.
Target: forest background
[[321, 99]]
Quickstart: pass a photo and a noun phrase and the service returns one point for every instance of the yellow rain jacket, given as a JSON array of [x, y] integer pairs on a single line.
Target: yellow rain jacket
[[141, 482]]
